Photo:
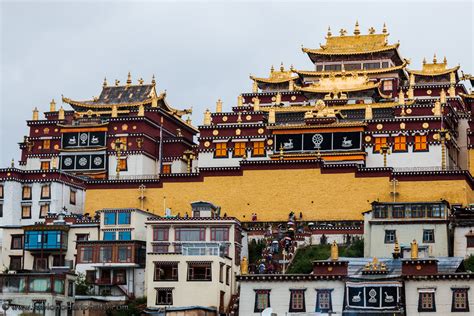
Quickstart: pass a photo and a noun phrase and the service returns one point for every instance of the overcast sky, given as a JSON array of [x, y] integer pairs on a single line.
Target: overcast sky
[[198, 51]]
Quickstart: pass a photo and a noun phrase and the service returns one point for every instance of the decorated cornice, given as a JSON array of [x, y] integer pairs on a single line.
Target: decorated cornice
[[444, 276], [305, 126], [287, 277], [344, 73]]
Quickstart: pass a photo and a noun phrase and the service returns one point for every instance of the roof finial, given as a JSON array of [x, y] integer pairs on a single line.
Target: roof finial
[[384, 29], [129, 79], [291, 67], [153, 82], [117, 82], [272, 69], [52, 106], [140, 81], [282, 68], [105, 82], [424, 60], [445, 60], [435, 60], [356, 28], [343, 32], [329, 32], [371, 30]]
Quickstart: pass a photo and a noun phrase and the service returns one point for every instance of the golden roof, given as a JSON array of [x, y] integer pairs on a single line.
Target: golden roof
[[353, 44], [279, 76], [348, 83], [434, 68], [340, 73]]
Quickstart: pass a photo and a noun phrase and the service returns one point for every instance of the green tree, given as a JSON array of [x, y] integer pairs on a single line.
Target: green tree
[[82, 286], [469, 263]]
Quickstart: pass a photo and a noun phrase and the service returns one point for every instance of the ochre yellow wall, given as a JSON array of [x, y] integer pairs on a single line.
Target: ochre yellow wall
[[272, 194], [471, 161]]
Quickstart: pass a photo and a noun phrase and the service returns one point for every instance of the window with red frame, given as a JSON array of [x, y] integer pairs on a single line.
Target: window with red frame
[[219, 233], [160, 233], [190, 234]]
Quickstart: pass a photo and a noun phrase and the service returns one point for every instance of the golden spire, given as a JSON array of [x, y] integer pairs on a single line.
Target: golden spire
[[384, 29], [254, 87], [334, 251], [61, 113], [396, 248], [445, 60], [435, 60], [278, 98], [239, 118], [207, 117], [153, 82], [240, 100], [437, 109], [35, 114], [329, 32], [282, 68], [401, 98], [414, 249], [140, 81], [424, 60], [292, 68], [244, 266], [105, 82], [141, 110], [114, 111], [219, 106], [356, 28], [129, 79], [368, 112], [52, 106], [442, 96], [271, 115], [13, 163], [256, 104], [272, 69]]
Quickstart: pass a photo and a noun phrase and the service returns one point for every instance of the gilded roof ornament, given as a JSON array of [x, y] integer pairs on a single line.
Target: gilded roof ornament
[[445, 60], [272, 69], [35, 114], [433, 69], [52, 106], [117, 82], [435, 60], [140, 81], [384, 29], [343, 32], [105, 82], [129, 79], [371, 30], [153, 82], [329, 32], [356, 28], [282, 68]]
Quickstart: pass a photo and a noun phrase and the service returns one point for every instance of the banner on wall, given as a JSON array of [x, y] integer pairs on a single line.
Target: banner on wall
[[83, 162], [373, 295], [339, 141], [83, 139]]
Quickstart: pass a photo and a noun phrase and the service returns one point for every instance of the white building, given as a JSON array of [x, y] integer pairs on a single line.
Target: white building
[[463, 231], [186, 255]]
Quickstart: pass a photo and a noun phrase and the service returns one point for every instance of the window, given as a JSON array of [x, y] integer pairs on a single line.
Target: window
[[109, 218], [428, 236], [122, 164], [337, 67], [258, 149], [70, 288], [219, 233], [166, 271], [164, 296], [371, 65], [262, 300], [46, 143], [323, 301], [190, 234], [400, 143], [44, 210], [40, 263], [85, 254], [15, 262], [297, 303], [470, 241], [350, 67], [17, 242], [390, 236], [417, 210], [26, 193], [420, 143], [120, 276], [123, 218], [239, 149], [72, 196], [166, 169], [387, 85], [45, 165], [125, 235], [379, 142], [385, 64], [26, 211], [90, 276], [435, 210], [124, 253], [199, 271], [160, 233], [398, 211], [221, 150], [59, 260], [39, 307], [460, 300], [227, 275], [105, 254], [221, 272], [161, 248], [57, 311], [82, 237], [426, 302], [46, 191], [1, 191], [380, 211], [109, 236]]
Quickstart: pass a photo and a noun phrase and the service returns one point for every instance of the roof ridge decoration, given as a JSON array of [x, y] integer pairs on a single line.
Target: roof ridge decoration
[[354, 44], [349, 82], [434, 68], [279, 76]]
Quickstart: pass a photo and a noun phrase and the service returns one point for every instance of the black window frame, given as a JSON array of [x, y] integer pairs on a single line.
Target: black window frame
[[19, 265], [427, 241], [455, 309], [20, 236], [420, 306], [291, 309], [318, 303], [48, 196], [261, 292], [28, 198], [207, 275], [167, 290], [170, 265], [386, 241]]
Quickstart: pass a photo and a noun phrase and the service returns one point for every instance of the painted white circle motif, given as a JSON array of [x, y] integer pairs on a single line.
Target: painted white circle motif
[[97, 161], [83, 137], [82, 162], [317, 140], [67, 162]]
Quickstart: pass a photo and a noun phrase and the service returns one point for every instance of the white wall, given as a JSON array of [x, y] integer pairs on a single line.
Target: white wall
[[408, 159], [460, 241]]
